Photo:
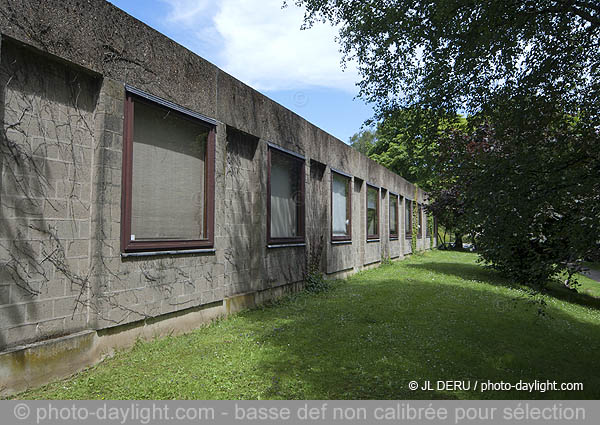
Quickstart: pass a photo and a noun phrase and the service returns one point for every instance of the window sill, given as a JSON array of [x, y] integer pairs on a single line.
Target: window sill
[[286, 245], [394, 238], [168, 252], [373, 240], [348, 242]]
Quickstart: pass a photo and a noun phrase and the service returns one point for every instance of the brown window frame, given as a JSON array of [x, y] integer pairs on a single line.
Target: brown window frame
[[301, 239], [394, 236], [128, 245], [375, 236], [428, 228], [408, 226], [348, 178]]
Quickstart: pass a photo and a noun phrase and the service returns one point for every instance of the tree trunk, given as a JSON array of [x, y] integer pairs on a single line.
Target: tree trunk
[[458, 240]]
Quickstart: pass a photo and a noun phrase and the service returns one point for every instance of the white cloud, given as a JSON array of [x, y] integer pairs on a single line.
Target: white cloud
[[262, 44], [187, 12]]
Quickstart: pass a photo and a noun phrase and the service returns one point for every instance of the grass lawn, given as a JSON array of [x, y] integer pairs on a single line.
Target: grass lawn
[[437, 316]]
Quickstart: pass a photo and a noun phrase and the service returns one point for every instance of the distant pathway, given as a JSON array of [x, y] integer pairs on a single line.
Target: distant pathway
[[593, 274]]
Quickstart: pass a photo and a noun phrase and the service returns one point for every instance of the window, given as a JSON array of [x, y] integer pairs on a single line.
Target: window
[[393, 216], [372, 212], [408, 218], [420, 227], [400, 214], [285, 197], [168, 177], [428, 226], [341, 207]]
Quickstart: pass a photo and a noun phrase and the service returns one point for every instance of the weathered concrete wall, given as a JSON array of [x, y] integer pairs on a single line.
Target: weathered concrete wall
[[124, 290], [45, 195], [62, 76]]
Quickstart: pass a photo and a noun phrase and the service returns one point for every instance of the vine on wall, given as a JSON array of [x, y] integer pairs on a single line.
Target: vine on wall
[[53, 229]]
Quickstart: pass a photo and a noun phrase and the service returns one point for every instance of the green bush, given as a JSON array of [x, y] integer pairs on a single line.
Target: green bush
[[529, 191], [315, 282]]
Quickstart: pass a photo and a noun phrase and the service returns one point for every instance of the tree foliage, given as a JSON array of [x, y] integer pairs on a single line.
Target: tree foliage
[[522, 174], [363, 141], [464, 54], [407, 143], [529, 188]]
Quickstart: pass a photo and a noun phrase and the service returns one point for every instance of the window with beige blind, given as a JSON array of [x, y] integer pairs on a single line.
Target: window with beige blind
[[394, 216], [285, 197], [408, 219], [168, 177], [372, 212], [341, 207]]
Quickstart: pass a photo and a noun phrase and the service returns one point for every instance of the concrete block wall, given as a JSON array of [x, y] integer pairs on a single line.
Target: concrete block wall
[[46, 162], [125, 290], [62, 104]]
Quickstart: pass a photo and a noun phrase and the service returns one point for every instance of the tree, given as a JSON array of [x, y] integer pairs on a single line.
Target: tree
[[407, 143], [540, 218], [363, 141], [464, 54], [523, 172]]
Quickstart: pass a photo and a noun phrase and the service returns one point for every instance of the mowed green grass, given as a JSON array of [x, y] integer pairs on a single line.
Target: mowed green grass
[[437, 316]]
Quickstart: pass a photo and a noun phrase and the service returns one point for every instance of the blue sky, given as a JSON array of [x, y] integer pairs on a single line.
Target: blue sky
[[261, 44]]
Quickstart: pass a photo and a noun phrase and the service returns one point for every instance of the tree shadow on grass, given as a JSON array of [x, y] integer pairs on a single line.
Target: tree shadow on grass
[[367, 338], [370, 341], [481, 274], [464, 271]]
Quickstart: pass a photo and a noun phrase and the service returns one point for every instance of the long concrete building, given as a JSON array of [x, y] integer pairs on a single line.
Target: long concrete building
[[145, 191]]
